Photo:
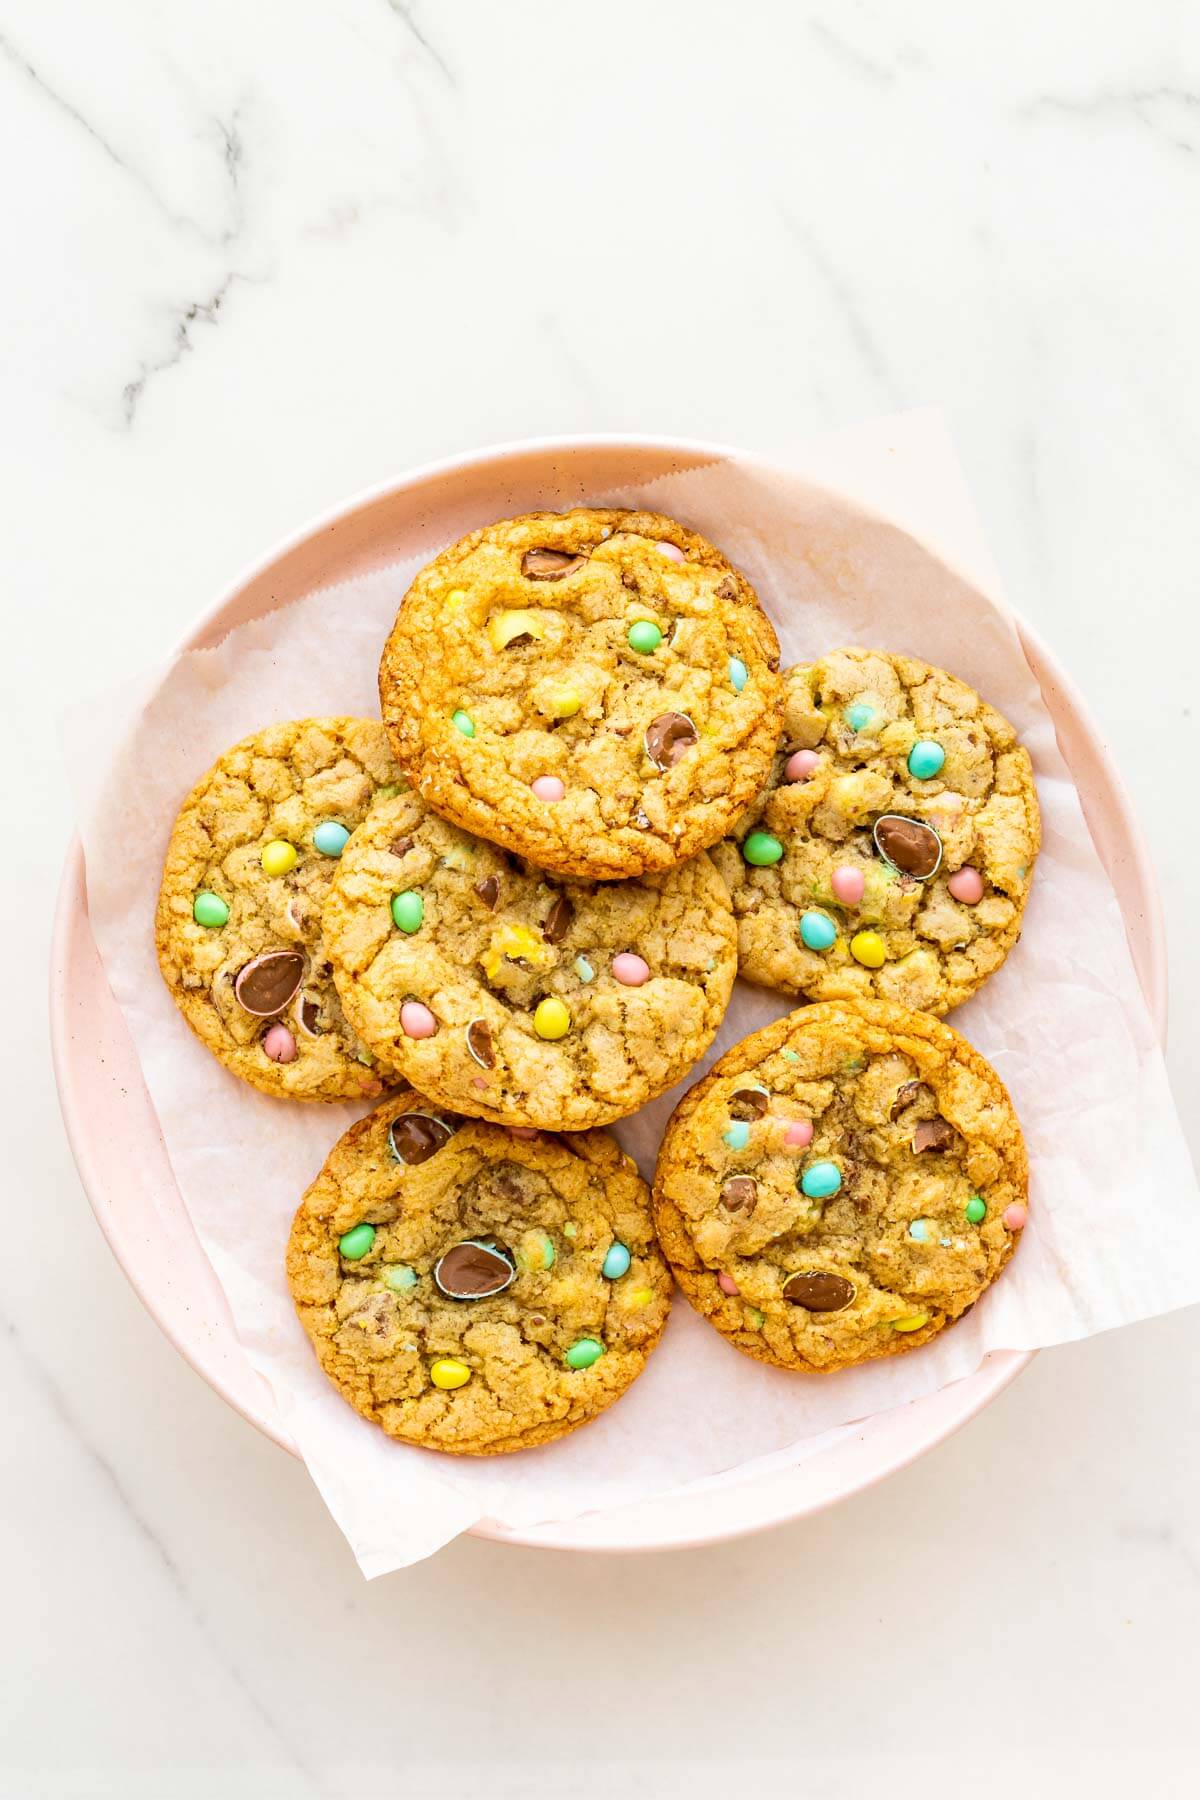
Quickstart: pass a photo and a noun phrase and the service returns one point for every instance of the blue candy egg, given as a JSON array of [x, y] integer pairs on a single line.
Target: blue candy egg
[[816, 931], [738, 1135], [859, 716], [330, 838], [616, 1263], [820, 1180], [925, 759], [739, 674]]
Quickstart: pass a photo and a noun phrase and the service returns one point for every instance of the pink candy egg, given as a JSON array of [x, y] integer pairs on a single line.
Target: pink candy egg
[[798, 1134], [671, 551], [279, 1044], [728, 1285], [848, 883], [800, 765], [416, 1021], [966, 885], [523, 1131], [630, 970], [548, 787], [1015, 1216]]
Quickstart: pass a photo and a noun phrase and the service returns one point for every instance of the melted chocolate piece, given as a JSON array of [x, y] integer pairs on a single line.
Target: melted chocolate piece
[[909, 845], [748, 1103], [400, 846], [415, 1137], [669, 737], [473, 1271], [479, 1043], [550, 565], [819, 1291], [310, 1016], [740, 1194], [726, 588], [558, 920], [488, 890], [269, 982], [906, 1093], [933, 1134]]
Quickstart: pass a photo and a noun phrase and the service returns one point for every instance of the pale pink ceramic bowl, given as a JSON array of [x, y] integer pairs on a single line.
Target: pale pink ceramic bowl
[[112, 1127]]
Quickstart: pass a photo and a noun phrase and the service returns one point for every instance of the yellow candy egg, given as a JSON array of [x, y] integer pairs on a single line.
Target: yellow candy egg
[[518, 944], [503, 627], [565, 703], [278, 857], [551, 1020], [868, 948], [913, 1323], [447, 1373], [456, 599]]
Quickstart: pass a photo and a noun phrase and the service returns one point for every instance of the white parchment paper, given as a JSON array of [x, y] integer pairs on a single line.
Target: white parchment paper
[[1114, 1233]]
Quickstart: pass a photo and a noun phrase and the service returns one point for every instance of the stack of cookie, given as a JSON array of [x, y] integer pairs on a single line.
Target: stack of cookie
[[519, 905]]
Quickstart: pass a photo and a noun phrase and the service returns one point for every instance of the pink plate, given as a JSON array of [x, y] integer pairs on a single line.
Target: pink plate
[[113, 1130]]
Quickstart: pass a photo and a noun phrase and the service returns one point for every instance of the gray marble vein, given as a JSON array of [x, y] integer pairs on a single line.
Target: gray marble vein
[[405, 10], [191, 314], [837, 286], [1164, 110]]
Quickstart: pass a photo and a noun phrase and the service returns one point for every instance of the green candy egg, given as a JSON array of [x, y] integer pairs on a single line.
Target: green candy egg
[[399, 1277], [209, 909], [356, 1242], [464, 723], [644, 636], [408, 911], [584, 1353], [976, 1210], [761, 849]]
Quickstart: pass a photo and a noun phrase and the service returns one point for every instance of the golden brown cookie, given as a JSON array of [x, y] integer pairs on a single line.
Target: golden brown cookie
[[471, 1290], [517, 996], [842, 1185], [238, 926], [892, 850], [595, 690]]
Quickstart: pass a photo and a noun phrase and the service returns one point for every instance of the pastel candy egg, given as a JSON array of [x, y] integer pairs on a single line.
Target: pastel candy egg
[[966, 885], [356, 1242], [616, 1263], [925, 759], [869, 949], [821, 1180], [399, 1277], [416, 1021], [447, 1372], [644, 636], [1015, 1216], [408, 911], [584, 1353], [914, 1322], [523, 1131], [817, 932], [800, 765], [630, 970], [462, 721], [278, 857], [279, 1044], [859, 716], [551, 1019], [565, 703], [728, 1285], [739, 674], [847, 883], [761, 849], [548, 788], [737, 1135], [330, 838], [798, 1134], [919, 1230], [672, 552], [209, 909], [976, 1209], [584, 969]]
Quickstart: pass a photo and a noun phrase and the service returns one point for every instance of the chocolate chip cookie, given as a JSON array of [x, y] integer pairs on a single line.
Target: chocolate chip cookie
[[474, 1291], [892, 849], [841, 1186], [595, 690], [517, 996], [238, 927]]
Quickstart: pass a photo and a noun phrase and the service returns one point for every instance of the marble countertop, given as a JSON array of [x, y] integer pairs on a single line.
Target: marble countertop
[[261, 256]]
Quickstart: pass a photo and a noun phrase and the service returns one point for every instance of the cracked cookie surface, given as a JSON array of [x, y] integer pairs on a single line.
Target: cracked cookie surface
[[430, 928], [240, 947], [892, 850], [550, 1237], [595, 690], [841, 1186]]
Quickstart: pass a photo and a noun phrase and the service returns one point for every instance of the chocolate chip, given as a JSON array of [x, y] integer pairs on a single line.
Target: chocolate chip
[[268, 982], [748, 1103], [558, 920], [479, 1043], [906, 1093], [310, 1016], [933, 1134], [522, 637], [818, 1291], [489, 891], [726, 588], [909, 845], [550, 565], [400, 846], [415, 1137], [669, 737], [474, 1270], [740, 1194]]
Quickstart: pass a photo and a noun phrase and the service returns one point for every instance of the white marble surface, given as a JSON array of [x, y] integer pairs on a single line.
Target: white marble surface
[[260, 255]]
